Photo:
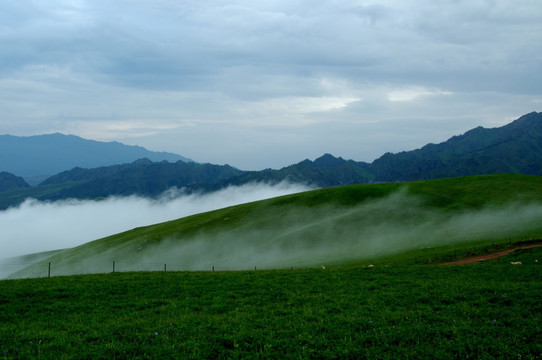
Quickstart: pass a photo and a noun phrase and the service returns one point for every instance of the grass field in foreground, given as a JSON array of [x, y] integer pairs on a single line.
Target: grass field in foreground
[[397, 312]]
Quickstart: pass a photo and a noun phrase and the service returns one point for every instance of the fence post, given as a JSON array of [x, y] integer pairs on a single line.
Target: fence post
[[113, 265], [165, 269], [49, 272], [213, 268]]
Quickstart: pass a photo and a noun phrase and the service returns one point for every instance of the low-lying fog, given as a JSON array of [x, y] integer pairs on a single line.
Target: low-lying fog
[[288, 236], [302, 236], [41, 226]]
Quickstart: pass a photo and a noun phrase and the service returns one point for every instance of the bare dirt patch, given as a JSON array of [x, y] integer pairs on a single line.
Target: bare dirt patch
[[489, 256]]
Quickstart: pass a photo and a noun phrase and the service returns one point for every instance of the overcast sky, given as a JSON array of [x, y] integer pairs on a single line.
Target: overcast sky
[[259, 84]]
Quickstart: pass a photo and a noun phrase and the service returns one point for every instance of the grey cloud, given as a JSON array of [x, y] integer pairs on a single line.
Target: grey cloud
[[88, 67], [145, 45]]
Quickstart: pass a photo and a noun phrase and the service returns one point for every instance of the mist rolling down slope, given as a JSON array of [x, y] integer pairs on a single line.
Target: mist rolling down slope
[[327, 226]]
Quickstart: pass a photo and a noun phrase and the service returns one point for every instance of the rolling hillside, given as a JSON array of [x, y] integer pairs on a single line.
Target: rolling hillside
[[327, 226]]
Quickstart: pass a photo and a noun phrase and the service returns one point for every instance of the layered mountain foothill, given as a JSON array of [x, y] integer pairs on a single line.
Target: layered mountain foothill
[[142, 177], [513, 148], [38, 157], [9, 182], [325, 171]]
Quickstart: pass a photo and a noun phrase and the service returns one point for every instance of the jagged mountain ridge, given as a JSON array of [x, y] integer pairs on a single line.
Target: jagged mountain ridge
[[325, 171], [513, 148]]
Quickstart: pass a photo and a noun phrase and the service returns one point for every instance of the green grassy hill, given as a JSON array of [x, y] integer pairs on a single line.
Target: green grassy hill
[[332, 226], [484, 310]]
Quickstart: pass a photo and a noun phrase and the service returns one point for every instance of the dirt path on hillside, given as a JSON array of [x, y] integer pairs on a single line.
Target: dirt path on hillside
[[489, 256]]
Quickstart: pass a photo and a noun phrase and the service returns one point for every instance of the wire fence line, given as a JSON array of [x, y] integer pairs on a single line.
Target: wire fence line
[[49, 269], [46, 268]]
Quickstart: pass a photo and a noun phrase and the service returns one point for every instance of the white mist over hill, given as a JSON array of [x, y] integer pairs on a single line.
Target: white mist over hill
[[36, 226], [287, 235], [327, 234]]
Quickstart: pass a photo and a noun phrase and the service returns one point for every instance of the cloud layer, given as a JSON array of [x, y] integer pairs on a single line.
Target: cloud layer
[[268, 83]]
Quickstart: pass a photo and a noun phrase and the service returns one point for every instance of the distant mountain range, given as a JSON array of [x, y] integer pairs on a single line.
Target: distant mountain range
[[38, 157], [513, 148]]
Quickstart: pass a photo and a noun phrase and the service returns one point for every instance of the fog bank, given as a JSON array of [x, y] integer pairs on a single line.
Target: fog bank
[[286, 236], [36, 226], [330, 234]]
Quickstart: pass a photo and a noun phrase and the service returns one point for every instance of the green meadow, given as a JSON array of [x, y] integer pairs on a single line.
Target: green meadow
[[381, 294], [478, 311]]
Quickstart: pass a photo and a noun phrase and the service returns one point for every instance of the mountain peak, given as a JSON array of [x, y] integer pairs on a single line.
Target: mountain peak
[[528, 122], [143, 161], [328, 160]]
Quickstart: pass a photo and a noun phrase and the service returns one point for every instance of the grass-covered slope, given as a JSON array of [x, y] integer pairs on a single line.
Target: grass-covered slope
[[329, 226]]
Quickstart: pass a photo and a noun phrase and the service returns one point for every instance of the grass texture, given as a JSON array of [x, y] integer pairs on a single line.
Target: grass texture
[[397, 312]]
